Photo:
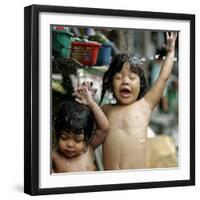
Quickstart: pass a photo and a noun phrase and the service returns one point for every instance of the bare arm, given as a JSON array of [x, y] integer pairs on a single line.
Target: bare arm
[[155, 93], [100, 117], [83, 96], [53, 161], [100, 135]]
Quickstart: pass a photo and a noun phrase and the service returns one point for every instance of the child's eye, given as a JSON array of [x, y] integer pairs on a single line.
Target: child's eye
[[63, 137], [117, 77], [78, 140], [132, 77]]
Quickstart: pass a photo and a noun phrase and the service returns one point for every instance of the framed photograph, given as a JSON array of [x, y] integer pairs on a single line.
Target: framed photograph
[[81, 67]]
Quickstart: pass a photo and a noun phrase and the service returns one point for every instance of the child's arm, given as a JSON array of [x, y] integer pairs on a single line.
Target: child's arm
[[83, 96], [53, 161], [99, 136], [155, 93]]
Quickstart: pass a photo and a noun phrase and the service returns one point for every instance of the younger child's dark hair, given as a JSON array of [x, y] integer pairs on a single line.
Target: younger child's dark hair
[[116, 66], [73, 117]]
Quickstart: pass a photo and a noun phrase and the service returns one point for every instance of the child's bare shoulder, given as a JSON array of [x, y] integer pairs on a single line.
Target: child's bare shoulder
[[106, 108], [145, 105], [54, 153]]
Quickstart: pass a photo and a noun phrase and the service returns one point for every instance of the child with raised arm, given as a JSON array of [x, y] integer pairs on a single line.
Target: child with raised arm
[[125, 144], [74, 125], [84, 95]]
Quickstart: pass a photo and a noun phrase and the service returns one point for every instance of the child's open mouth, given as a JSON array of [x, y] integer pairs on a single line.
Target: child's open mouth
[[125, 92]]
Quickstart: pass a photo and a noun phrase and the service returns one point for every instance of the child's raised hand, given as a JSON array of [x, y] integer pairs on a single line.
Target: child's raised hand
[[171, 40], [85, 93], [90, 87]]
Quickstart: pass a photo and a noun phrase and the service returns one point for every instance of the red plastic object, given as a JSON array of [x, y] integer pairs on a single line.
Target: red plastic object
[[59, 28], [85, 52]]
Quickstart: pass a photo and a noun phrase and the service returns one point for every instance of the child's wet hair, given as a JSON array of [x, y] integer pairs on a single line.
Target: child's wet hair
[[116, 66], [75, 118]]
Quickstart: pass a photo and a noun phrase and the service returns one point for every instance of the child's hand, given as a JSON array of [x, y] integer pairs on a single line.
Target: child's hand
[[171, 40], [90, 87], [83, 95]]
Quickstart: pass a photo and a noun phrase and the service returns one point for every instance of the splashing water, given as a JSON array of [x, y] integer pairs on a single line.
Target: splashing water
[[136, 60]]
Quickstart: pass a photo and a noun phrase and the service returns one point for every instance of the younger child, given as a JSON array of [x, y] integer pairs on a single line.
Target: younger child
[[125, 143], [73, 128]]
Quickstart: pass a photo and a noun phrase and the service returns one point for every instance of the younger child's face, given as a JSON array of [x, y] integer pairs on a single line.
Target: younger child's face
[[71, 145], [126, 85]]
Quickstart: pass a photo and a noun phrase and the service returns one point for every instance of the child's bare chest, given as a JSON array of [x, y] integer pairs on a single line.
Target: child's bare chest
[[129, 117], [84, 162]]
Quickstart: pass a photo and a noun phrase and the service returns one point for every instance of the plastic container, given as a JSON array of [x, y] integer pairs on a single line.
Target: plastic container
[[61, 43], [85, 52], [104, 54]]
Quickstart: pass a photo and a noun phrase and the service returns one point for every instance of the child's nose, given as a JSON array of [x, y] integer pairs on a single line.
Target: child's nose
[[125, 81], [70, 143]]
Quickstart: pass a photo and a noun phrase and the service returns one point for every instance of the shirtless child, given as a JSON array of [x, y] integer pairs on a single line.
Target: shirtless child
[[74, 127], [125, 144]]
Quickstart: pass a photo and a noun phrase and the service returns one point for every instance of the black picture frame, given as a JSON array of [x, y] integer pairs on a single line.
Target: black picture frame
[[32, 107]]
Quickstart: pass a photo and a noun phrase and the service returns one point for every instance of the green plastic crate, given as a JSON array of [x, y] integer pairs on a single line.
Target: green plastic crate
[[61, 43]]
